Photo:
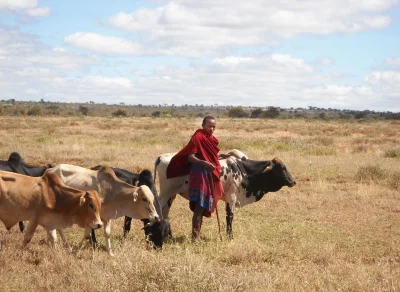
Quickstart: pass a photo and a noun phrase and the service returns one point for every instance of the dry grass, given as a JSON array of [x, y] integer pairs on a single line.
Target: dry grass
[[338, 229]]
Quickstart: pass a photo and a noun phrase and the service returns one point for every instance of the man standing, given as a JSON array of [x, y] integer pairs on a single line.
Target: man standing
[[200, 158]]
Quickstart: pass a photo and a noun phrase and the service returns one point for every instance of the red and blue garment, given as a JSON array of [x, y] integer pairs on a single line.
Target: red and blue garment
[[204, 187]]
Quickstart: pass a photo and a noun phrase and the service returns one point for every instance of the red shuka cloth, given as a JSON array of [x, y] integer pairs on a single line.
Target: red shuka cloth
[[206, 148]]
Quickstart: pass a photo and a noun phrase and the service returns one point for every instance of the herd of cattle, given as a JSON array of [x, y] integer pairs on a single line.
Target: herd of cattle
[[57, 197]]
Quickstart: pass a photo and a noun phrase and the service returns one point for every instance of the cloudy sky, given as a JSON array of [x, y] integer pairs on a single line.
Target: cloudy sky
[[341, 54]]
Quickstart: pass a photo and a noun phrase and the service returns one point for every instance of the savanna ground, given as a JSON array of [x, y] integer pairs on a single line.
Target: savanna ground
[[338, 229]]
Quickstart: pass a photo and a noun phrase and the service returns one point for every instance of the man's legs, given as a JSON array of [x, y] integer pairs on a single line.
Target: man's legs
[[197, 220]]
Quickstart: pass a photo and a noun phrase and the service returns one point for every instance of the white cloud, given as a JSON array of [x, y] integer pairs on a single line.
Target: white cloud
[[109, 83], [326, 62], [17, 4], [38, 12], [31, 91], [392, 62], [191, 28], [344, 97], [103, 44], [28, 7], [388, 81]]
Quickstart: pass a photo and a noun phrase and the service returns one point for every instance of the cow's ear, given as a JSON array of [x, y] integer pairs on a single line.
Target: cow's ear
[[276, 160], [82, 200], [135, 196]]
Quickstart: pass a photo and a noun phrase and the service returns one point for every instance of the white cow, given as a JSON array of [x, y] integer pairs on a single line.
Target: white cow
[[119, 198], [244, 181]]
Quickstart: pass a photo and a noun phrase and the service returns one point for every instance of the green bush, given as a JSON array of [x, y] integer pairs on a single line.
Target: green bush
[[393, 153], [237, 112], [370, 172], [256, 113], [120, 113], [35, 110], [394, 180], [155, 114]]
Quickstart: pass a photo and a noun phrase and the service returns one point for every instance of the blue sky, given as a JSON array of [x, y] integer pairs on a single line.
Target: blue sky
[[342, 54]]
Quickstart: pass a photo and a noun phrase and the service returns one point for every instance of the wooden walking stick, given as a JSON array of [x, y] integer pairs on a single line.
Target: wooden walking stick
[[215, 204]]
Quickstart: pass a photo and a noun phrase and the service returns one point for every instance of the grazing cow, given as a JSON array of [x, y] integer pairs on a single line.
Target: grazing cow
[[48, 202], [119, 198], [16, 164], [244, 182], [155, 231]]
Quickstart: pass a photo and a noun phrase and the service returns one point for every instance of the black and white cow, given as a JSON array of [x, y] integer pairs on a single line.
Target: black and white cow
[[16, 164], [244, 181], [155, 231]]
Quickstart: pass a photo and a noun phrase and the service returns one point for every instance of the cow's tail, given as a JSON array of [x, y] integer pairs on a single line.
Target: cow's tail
[[158, 204], [158, 160]]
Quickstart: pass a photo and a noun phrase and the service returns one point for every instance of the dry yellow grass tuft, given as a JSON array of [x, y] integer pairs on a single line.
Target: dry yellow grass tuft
[[338, 229]]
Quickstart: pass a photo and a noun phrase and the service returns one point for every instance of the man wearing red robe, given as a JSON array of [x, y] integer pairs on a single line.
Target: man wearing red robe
[[199, 158]]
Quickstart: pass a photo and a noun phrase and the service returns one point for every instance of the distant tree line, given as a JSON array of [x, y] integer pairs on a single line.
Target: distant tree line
[[11, 107]]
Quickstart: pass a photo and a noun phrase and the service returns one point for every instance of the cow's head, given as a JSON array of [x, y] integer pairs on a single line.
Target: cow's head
[[265, 176], [280, 173], [144, 204], [157, 231], [90, 205]]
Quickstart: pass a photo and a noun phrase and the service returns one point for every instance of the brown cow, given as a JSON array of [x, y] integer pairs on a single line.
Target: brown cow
[[48, 202], [119, 198]]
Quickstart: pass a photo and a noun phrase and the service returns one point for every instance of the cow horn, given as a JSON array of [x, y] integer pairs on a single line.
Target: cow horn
[[82, 200], [268, 168]]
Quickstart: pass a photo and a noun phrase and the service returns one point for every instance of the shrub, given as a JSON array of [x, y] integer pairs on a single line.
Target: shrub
[[271, 113], [237, 112], [370, 172], [393, 153], [120, 113], [35, 110], [84, 110], [320, 151], [256, 113], [394, 180], [155, 114]]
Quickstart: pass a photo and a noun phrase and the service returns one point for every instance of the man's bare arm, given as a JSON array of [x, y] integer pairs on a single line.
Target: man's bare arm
[[193, 159]]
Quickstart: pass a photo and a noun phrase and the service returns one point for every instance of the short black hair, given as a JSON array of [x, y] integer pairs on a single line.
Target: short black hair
[[207, 118]]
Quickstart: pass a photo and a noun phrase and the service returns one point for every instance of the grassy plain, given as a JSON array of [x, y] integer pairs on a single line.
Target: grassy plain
[[338, 229]]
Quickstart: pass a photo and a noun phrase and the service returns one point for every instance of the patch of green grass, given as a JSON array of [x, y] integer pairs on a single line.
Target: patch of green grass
[[370, 172], [43, 138], [360, 149], [322, 141], [393, 181], [318, 151], [281, 146], [393, 153]]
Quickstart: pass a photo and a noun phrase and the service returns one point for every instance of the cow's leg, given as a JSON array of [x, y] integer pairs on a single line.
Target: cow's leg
[[127, 225], [86, 236], [52, 237], [21, 226], [30, 230], [167, 206], [107, 235], [64, 239], [93, 239], [229, 219]]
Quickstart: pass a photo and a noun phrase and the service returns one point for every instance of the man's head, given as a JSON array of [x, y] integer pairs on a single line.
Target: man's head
[[209, 124]]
